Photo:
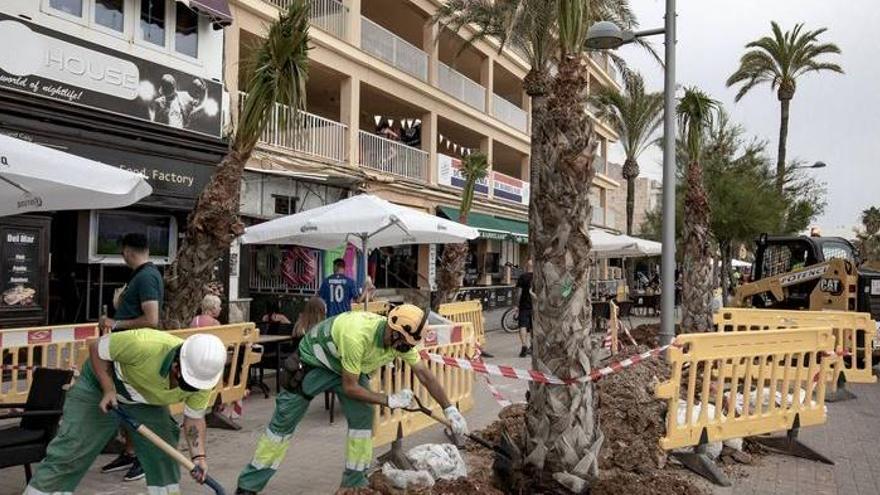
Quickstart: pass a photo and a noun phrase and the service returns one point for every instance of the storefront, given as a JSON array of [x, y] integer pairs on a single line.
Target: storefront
[[495, 259]]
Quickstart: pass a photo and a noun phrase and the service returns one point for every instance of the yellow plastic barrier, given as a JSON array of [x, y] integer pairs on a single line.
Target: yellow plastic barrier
[[378, 307], [775, 371], [466, 312], [457, 383], [854, 334], [23, 349], [239, 339]]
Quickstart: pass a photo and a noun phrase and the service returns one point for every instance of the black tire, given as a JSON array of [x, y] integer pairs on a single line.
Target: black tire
[[509, 321]]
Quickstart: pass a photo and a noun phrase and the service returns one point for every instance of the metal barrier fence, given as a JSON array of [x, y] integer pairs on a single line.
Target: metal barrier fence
[[854, 334], [738, 384], [466, 312], [510, 114], [457, 383], [393, 49], [23, 349], [461, 87], [392, 157], [303, 132], [378, 307]]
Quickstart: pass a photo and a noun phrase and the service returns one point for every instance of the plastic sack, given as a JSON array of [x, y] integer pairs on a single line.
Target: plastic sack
[[404, 480], [442, 460], [713, 449]]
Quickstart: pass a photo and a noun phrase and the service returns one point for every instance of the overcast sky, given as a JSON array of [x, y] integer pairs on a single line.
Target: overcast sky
[[834, 118]]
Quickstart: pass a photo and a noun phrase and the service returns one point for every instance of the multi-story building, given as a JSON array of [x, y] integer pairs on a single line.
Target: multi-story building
[[132, 83], [394, 104]]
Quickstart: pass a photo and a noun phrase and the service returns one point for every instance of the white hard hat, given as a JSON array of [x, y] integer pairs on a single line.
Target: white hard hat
[[202, 359]]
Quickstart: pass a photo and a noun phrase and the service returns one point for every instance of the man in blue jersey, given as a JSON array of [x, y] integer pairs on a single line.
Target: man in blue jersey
[[338, 291]]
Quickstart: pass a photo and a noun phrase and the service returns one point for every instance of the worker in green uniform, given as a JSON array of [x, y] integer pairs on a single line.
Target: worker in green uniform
[[142, 372], [338, 354]]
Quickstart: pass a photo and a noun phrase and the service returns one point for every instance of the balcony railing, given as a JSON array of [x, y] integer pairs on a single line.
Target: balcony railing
[[329, 15], [309, 133], [509, 113], [460, 86], [392, 157], [393, 49]]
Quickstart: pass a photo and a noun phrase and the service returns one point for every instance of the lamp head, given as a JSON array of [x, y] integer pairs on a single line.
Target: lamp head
[[605, 35]]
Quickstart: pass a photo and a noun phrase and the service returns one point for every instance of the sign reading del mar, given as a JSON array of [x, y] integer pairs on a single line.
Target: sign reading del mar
[[50, 64]]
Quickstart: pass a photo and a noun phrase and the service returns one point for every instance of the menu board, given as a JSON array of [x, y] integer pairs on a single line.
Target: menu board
[[20, 272]]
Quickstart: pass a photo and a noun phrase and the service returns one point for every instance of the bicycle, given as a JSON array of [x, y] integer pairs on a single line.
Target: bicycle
[[510, 320]]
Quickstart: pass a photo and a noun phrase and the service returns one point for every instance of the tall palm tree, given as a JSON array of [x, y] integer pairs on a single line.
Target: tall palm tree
[[696, 113], [474, 167], [780, 60], [563, 433], [871, 220], [280, 71], [635, 115]]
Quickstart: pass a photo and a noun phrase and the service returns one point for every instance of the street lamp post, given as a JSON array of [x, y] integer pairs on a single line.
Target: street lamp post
[[606, 35]]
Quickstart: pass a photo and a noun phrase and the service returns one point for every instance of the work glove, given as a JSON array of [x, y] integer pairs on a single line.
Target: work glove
[[400, 399], [459, 425]]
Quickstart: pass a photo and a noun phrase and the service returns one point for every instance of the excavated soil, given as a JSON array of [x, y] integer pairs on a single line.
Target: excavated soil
[[471, 485], [656, 483], [647, 335]]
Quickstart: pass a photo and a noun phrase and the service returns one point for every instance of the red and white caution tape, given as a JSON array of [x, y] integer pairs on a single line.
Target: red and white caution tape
[[496, 394], [538, 376]]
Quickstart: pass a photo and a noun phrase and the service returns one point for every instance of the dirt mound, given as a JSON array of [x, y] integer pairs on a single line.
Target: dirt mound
[[379, 484], [647, 335], [631, 417], [656, 483], [511, 419]]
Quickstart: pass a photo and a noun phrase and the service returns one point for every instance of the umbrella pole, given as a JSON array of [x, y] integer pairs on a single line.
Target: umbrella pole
[[366, 274]]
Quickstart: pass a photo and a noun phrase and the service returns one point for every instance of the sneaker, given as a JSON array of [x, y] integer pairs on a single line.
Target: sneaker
[[135, 473], [523, 352], [124, 461], [487, 355]]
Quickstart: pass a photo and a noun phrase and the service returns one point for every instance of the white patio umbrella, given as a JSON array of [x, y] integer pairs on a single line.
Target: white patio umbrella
[[37, 178], [608, 245], [371, 220]]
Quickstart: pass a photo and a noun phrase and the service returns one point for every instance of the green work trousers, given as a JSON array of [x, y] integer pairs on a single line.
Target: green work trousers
[[289, 411], [84, 432]]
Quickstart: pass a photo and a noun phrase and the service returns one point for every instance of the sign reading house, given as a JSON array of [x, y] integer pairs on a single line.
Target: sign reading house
[[44, 62]]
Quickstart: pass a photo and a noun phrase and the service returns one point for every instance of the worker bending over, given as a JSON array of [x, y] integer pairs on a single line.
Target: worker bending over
[[142, 372], [338, 354]]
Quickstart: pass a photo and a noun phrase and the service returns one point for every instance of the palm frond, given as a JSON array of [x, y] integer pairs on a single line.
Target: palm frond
[[696, 113]]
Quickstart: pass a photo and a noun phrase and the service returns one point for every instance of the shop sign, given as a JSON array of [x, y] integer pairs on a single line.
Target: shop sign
[[449, 174], [40, 61], [20, 267], [432, 267], [510, 188]]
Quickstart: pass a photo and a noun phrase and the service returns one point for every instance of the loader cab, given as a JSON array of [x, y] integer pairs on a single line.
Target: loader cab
[[776, 255]]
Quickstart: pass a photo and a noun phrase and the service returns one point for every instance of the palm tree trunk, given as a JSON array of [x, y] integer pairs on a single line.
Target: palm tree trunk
[[630, 203], [783, 139], [697, 279], [563, 436], [725, 248], [211, 227]]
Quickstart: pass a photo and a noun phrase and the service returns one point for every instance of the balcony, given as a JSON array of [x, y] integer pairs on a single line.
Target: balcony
[[393, 49], [328, 15], [308, 133], [510, 114], [392, 157], [461, 87]]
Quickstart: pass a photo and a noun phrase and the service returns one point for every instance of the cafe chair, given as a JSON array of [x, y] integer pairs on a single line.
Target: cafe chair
[[25, 444]]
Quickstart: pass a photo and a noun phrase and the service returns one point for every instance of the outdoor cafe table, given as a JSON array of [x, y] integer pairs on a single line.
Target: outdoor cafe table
[[276, 340]]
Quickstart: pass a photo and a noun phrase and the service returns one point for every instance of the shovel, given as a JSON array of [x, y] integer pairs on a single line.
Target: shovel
[[168, 449]]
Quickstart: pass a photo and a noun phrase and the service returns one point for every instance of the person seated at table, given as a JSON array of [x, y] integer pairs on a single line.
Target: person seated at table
[[274, 314], [211, 307], [314, 312]]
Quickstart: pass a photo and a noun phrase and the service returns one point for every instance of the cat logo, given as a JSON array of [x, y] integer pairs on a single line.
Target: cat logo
[[831, 286]]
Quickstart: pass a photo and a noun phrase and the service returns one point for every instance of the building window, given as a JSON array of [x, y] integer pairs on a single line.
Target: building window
[[284, 205], [153, 21], [110, 14], [186, 31], [71, 7]]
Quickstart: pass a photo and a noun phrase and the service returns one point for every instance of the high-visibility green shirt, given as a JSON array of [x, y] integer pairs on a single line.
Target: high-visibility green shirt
[[142, 362], [352, 342]]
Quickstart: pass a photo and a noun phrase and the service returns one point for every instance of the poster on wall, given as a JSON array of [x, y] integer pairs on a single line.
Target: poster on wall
[[449, 174], [40, 61], [20, 269]]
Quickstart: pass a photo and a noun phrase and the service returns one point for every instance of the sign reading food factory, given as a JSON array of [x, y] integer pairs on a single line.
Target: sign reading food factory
[[47, 63]]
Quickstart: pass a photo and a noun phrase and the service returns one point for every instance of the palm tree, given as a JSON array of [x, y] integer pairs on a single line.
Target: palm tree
[[696, 113], [474, 167], [871, 220], [780, 60], [563, 433], [280, 71], [635, 115]]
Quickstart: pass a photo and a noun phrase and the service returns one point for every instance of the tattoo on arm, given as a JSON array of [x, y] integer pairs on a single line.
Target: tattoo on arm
[[192, 435]]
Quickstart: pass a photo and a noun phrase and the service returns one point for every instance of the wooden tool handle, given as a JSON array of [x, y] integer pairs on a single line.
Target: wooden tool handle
[[168, 449]]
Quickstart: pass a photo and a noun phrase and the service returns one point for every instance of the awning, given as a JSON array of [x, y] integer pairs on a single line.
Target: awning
[[492, 227], [217, 10]]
